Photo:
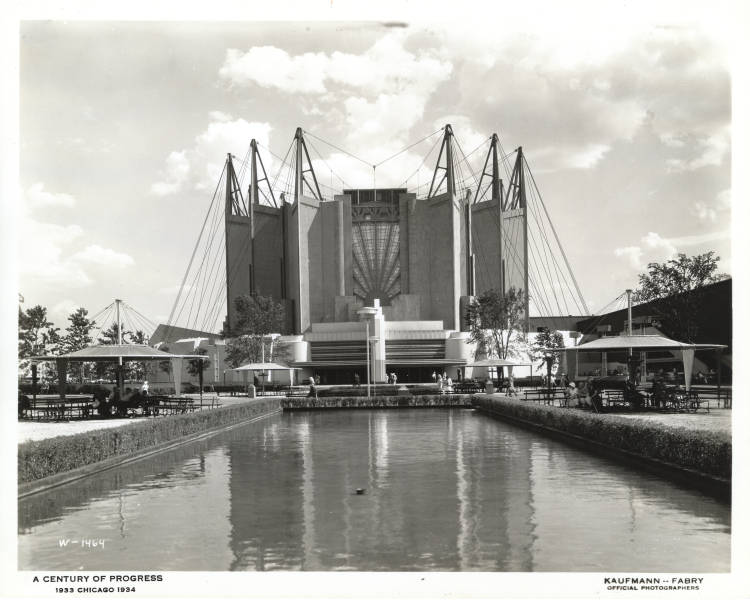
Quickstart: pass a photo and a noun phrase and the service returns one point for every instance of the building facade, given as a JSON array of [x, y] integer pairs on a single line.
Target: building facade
[[413, 261]]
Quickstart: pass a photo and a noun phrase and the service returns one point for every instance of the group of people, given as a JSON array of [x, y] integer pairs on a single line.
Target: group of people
[[443, 382], [584, 395], [113, 404]]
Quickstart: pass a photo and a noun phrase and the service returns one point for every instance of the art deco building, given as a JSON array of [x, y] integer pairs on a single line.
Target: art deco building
[[412, 260]]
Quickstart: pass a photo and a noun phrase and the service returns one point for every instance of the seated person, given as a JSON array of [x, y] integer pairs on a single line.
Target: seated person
[[635, 398], [571, 395], [659, 391], [24, 404]]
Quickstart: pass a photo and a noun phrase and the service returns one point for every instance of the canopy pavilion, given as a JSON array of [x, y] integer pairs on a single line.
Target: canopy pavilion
[[263, 367], [500, 362], [642, 344], [119, 354]]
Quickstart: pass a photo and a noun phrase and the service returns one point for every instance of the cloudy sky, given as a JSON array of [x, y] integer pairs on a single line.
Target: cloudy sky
[[124, 127]]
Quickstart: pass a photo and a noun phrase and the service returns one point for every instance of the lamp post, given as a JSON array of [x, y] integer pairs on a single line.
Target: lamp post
[[367, 350]]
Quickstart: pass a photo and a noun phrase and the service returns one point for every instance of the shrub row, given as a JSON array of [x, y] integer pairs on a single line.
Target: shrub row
[[38, 459], [422, 401], [709, 452]]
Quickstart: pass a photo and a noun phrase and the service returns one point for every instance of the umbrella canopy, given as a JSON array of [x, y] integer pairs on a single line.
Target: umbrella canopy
[[263, 366], [645, 342], [497, 362], [101, 353]]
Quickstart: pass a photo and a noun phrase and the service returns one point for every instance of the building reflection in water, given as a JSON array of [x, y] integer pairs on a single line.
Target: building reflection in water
[[444, 490]]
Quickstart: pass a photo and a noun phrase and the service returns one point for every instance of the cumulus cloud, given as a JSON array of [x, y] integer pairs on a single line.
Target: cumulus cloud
[[380, 93], [707, 150], [569, 98], [384, 68], [44, 260], [710, 212], [50, 252], [200, 166], [652, 248], [655, 248], [95, 254], [61, 310], [37, 197]]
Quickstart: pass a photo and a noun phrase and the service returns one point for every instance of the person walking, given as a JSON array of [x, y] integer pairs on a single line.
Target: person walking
[[356, 380], [313, 393]]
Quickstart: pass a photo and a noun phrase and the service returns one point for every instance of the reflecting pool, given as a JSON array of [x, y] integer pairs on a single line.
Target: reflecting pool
[[444, 490]]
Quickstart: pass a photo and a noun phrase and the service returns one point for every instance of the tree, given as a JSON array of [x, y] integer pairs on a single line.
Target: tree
[[108, 337], [37, 335], [195, 365], [243, 349], [547, 339], [495, 320], [78, 335], [257, 317], [677, 290]]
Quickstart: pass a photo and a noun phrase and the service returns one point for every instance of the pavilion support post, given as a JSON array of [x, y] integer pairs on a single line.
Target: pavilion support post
[[200, 380], [121, 379], [62, 376], [177, 375], [718, 376], [34, 380]]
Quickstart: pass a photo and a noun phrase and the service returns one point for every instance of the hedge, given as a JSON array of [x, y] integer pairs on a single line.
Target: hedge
[[708, 452], [42, 458], [421, 401]]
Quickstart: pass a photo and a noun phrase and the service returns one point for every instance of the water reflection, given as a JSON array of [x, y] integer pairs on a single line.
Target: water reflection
[[445, 490]]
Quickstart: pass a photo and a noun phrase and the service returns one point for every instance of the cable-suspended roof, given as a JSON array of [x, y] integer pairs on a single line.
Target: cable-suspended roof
[[102, 353]]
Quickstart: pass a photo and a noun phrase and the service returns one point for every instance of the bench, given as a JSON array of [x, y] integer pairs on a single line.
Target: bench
[[468, 387]]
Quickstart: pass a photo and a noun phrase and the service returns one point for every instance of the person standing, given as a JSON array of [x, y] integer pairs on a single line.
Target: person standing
[[313, 393], [356, 380], [511, 385], [434, 377], [395, 379]]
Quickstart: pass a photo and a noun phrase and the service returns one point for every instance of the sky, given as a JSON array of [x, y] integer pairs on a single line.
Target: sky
[[125, 125]]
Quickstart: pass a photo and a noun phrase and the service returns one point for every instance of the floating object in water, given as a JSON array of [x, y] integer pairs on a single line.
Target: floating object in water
[[360, 491]]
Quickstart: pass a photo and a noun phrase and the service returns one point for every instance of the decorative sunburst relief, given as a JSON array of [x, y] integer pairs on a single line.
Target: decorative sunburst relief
[[376, 266]]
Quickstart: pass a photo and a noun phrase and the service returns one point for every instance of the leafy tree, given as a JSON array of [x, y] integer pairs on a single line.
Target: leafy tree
[[37, 335], [78, 333], [78, 336], [139, 337], [496, 320], [677, 288], [108, 337], [257, 316], [243, 349], [196, 365], [547, 339]]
